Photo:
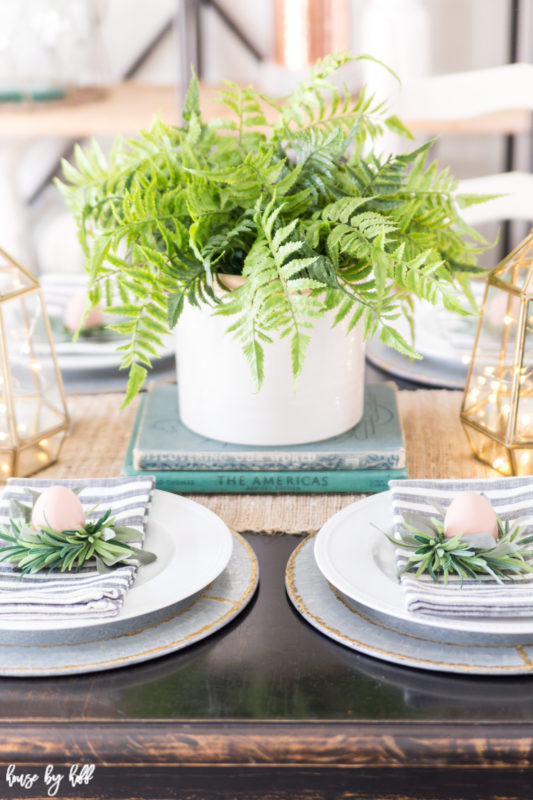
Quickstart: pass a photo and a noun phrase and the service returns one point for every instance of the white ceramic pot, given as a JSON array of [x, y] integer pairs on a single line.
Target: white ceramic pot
[[218, 397]]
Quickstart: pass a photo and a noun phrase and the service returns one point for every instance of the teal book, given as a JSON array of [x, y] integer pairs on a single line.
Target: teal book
[[262, 482], [164, 443]]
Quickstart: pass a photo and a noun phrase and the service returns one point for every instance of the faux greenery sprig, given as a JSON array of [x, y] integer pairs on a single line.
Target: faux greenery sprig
[[467, 556], [47, 549], [302, 204]]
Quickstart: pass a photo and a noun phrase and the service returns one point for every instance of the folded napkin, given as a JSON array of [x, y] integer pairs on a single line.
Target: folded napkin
[[511, 498], [64, 595]]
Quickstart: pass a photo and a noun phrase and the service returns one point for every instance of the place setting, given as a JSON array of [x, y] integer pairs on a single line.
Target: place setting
[[434, 575], [443, 339], [105, 573], [87, 349]]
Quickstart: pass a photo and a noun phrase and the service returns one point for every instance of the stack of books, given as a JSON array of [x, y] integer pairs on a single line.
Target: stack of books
[[363, 459]]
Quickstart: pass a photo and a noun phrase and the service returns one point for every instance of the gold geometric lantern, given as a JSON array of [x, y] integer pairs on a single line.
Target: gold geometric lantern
[[33, 411], [497, 408]]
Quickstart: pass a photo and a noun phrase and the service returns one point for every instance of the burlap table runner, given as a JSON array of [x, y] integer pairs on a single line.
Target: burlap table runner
[[436, 448]]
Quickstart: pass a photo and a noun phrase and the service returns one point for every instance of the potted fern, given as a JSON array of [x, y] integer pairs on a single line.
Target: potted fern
[[276, 247]]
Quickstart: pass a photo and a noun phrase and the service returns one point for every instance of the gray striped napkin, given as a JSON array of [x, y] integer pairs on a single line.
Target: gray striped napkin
[[511, 498], [86, 593]]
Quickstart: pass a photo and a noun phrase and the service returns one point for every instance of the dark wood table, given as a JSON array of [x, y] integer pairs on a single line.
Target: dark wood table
[[269, 708]]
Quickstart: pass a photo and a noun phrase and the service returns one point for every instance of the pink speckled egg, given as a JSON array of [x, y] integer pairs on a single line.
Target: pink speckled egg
[[59, 508], [470, 512], [74, 309]]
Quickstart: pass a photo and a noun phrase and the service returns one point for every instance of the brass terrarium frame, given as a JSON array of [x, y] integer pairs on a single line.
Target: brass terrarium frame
[[497, 407], [26, 447]]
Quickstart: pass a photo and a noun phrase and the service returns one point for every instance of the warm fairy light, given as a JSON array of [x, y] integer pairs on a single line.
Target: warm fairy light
[[489, 370], [526, 419], [524, 458], [474, 394], [42, 457], [22, 427], [481, 414], [499, 462], [495, 384], [36, 367], [481, 380], [3, 436], [465, 359], [493, 398], [5, 468], [43, 442], [507, 319], [506, 408], [25, 349]]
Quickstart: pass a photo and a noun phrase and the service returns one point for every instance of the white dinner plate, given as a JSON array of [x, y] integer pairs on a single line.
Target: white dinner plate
[[445, 341], [193, 546], [426, 371], [359, 561]]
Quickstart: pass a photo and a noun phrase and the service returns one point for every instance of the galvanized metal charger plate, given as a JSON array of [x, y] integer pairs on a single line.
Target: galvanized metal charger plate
[[390, 639], [187, 623]]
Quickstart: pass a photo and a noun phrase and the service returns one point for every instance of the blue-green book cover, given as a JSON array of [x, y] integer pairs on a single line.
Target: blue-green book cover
[[164, 443], [262, 482]]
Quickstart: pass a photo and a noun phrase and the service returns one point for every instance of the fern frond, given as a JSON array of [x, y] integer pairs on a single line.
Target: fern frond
[[303, 208]]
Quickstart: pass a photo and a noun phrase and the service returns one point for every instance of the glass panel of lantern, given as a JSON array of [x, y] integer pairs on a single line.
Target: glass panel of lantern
[[33, 413]]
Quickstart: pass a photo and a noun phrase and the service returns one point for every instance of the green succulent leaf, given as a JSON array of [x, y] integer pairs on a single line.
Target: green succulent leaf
[[47, 549], [466, 555]]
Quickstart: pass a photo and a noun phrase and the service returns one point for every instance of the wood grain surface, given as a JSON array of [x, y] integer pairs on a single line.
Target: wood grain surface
[[268, 708]]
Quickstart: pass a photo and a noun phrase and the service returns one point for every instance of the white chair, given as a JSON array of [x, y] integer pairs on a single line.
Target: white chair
[[515, 201], [458, 102], [496, 100]]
